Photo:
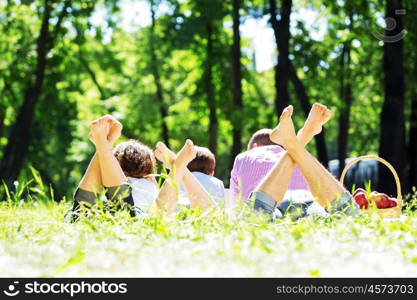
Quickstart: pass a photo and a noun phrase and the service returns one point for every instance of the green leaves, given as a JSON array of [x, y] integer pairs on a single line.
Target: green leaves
[[98, 66]]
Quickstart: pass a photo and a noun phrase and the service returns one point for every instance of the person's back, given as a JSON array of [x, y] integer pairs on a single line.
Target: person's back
[[252, 166], [202, 168], [144, 192], [213, 185]]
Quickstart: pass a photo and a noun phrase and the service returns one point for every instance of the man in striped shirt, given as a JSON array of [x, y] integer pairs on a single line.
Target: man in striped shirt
[[252, 166], [270, 195]]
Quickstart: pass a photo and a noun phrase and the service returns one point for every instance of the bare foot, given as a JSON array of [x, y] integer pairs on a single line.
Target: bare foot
[[284, 133], [318, 116], [99, 130], [170, 159], [185, 155], [115, 130], [164, 155]]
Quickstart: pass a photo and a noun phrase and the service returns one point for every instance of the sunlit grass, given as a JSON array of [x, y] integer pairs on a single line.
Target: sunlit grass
[[35, 241]]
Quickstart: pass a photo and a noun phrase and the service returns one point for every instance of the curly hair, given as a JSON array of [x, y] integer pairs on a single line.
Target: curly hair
[[136, 159], [204, 161]]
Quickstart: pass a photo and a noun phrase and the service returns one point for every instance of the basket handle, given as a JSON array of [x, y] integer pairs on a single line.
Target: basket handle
[[383, 161]]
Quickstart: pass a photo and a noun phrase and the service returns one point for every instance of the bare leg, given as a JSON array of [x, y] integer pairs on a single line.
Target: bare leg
[[111, 173], [104, 132], [92, 180], [197, 194], [276, 182], [168, 195], [322, 184]]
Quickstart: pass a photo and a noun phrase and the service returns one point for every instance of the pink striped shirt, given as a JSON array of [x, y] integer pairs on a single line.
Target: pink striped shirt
[[250, 168]]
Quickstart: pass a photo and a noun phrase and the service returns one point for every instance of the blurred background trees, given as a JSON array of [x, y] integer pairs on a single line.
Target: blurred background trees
[[187, 69]]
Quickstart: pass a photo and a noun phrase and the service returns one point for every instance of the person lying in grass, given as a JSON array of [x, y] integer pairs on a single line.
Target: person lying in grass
[[127, 173], [328, 192], [251, 166], [202, 167]]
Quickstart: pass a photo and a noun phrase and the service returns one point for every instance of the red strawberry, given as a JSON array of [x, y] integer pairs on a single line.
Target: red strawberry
[[360, 199], [359, 190]]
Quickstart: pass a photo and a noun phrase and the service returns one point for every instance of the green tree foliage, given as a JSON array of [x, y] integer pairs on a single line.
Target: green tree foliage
[[172, 78]]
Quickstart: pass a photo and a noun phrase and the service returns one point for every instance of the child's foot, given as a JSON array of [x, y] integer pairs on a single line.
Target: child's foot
[[99, 130], [284, 133], [318, 116], [164, 155], [185, 155], [115, 130]]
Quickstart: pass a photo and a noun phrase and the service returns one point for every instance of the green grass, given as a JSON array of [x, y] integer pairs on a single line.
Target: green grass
[[35, 241]]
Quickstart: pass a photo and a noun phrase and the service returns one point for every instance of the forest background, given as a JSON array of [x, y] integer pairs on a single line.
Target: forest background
[[210, 70]]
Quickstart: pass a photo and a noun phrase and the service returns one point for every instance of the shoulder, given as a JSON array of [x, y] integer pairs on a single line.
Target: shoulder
[[269, 148], [207, 178], [142, 183], [256, 152], [265, 151], [202, 176], [242, 157], [217, 181]]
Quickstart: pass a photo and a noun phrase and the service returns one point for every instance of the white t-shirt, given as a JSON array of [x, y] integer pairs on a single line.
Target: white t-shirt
[[144, 192], [213, 186]]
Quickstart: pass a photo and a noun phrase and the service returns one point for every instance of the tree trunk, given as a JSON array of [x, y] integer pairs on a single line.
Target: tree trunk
[[302, 96], [211, 99], [411, 26], [285, 72], [392, 137], [157, 78], [18, 141], [346, 95], [282, 38], [237, 83], [412, 141]]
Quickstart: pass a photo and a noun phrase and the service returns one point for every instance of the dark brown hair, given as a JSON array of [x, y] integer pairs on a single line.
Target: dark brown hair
[[136, 159], [204, 161], [261, 138]]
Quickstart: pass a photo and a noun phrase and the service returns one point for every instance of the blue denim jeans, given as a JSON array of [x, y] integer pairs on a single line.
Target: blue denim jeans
[[296, 208]]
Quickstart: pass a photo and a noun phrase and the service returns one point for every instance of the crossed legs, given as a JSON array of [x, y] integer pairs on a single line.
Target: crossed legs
[[179, 173], [91, 180], [104, 170], [102, 162], [322, 184], [277, 180]]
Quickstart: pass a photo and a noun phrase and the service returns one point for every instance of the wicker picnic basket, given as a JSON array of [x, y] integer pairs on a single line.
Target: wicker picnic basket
[[393, 212]]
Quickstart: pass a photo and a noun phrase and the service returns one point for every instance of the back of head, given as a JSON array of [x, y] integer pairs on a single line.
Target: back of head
[[204, 161], [260, 138], [136, 159]]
